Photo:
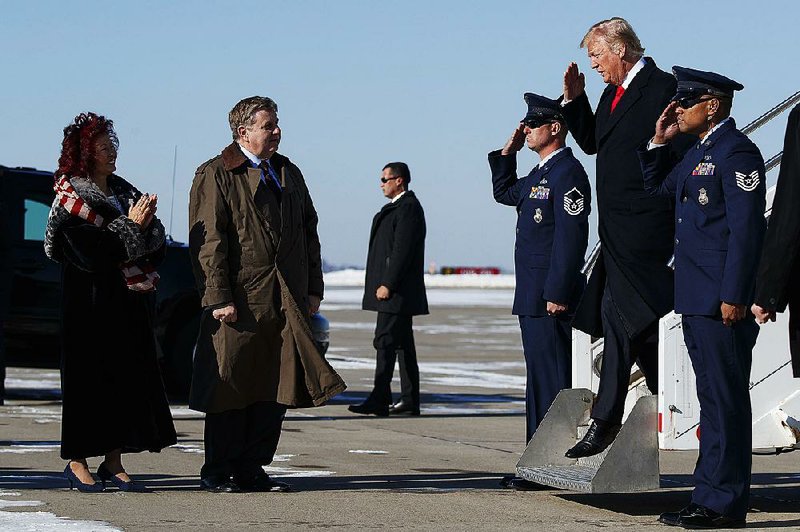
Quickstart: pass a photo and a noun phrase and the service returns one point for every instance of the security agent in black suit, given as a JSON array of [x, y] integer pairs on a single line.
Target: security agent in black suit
[[553, 203], [395, 289], [720, 190], [630, 286], [778, 283]]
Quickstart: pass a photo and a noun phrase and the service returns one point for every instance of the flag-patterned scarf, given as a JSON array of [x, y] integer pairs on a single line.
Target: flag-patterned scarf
[[139, 275]]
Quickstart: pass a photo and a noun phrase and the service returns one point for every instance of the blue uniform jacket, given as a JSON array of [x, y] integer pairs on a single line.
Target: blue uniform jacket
[[553, 204], [720, 189]]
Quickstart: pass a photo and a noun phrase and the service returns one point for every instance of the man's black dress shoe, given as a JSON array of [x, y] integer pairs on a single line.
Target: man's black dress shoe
[[370, 408], [674, 518], [403, 408], [219, 485], [702, 518], [521, 484], [262, 482], [597, 438]]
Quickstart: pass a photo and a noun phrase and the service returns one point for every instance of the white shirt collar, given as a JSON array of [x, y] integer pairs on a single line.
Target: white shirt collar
[[253, 159], [399, 196], [632, 73], [713, 129], [553, 154]]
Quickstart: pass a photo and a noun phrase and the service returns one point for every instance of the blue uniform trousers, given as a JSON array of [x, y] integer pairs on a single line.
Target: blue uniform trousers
[[721, 358], [547, 344]]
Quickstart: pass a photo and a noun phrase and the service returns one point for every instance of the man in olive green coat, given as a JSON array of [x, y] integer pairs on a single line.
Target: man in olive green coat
[[256, 258]]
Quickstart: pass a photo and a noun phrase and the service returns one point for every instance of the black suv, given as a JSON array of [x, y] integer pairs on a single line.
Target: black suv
[[30, 285]]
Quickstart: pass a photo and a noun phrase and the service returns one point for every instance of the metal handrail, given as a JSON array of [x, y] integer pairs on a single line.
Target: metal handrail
[[771, 163], [772, 113]]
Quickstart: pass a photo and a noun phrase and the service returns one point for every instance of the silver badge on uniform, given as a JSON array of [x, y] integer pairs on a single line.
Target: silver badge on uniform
[[537, 217], [748, 182], [573, 202], [702, 199]]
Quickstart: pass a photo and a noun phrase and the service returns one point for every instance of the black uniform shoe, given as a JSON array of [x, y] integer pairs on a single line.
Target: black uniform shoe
[[597, 438], [219, 485], [370, 408], [705, 518], [403, 408], [520, 484], [674, 518], [262, 482]]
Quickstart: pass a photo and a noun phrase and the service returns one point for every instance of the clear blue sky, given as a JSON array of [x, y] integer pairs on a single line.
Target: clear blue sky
[[358, 84]]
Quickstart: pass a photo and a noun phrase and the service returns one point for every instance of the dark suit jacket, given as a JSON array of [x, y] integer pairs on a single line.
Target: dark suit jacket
[[636, 230], [553, 204], [777, 284], [396, 258]]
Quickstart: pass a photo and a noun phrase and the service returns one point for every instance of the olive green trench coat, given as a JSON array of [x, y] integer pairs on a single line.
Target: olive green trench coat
[[264, 257]]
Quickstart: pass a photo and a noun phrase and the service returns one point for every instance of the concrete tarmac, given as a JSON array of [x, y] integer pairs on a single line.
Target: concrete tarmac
[[437, 471]]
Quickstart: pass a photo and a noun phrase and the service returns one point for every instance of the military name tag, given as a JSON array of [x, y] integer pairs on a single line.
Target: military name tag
[[540, 193], [702, 199], [704, 169], [537, 217]]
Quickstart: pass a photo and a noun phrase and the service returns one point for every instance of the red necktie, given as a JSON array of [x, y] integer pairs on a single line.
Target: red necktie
[[617, 96]]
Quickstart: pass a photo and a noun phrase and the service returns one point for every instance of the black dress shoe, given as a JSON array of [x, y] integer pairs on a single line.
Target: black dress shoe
[[262, 482], [219, 485], [702, 518], [403, 408], [521, 484], [370, 408], [674, 518], [597, 438]]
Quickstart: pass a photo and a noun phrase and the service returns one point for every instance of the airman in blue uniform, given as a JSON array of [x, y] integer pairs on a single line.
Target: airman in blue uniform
[[553, 203], [720, 190]]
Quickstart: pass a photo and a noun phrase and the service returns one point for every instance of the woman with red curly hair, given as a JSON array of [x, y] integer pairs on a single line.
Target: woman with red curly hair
[[106, 236]]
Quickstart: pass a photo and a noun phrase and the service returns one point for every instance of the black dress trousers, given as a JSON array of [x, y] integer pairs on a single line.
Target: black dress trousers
[[239, 442], [394, 340], [619, 354]]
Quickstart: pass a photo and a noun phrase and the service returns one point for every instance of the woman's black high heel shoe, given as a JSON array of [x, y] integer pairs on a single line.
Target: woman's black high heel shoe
[[75, 482], [105, 475]]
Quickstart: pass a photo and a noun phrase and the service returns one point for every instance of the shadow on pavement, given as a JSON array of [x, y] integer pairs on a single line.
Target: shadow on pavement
[[769, 493]]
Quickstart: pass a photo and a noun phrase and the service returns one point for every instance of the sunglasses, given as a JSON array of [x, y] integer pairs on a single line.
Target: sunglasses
[[387, 179], [688, 102], [533, 123]]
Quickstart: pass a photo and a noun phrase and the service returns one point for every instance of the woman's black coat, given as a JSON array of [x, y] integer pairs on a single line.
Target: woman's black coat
[[396, 258], [113, 396]]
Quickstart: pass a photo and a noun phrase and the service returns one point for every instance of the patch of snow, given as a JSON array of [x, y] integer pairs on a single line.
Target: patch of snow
[[365, 451]]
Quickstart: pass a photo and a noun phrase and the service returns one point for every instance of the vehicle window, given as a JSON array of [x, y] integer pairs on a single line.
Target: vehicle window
[[35, 219]]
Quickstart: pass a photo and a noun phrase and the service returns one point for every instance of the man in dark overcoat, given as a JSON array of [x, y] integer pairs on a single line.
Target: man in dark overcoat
[[630, 286], [256, 258], [720, 189], [778, 283], [553, 203], [394, 287]]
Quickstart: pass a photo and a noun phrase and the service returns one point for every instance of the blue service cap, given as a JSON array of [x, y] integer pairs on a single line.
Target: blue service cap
[[694, 83], [541, 109]]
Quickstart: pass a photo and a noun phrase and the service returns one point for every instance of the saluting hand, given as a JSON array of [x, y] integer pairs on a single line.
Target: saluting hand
[[667, 125], [732, 313], [574, 82], [516, 141], [762, 315]]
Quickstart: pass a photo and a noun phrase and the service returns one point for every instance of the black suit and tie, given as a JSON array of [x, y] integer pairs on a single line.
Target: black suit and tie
[[778, 282], [396, 260], [631, 286]]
